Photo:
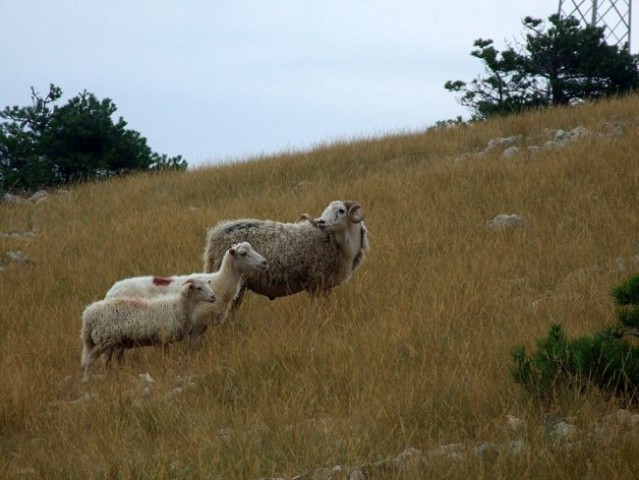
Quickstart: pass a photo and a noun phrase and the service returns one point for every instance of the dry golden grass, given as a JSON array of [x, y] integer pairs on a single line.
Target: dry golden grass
[[412, 352]]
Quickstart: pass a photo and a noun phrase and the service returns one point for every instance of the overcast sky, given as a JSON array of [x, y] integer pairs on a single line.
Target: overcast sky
[[222, 80]]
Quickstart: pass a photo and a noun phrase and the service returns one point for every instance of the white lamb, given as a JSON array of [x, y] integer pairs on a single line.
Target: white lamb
[[239, 261], [112, 325]]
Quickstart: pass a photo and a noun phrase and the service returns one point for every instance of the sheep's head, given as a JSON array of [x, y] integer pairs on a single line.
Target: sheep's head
[[337, 216], [246, 258], [199, 289]]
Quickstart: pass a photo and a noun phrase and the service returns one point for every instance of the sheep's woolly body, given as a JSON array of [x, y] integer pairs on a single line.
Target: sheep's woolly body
[[149, 286], [300, 256], [112, 325]]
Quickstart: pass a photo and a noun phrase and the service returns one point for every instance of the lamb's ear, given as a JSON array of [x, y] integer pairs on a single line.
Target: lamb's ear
[[189, 284], [355, 211]]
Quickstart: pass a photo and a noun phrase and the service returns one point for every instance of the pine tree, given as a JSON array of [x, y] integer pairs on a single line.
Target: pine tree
[[609, 359], [45, 145], [558, 63]]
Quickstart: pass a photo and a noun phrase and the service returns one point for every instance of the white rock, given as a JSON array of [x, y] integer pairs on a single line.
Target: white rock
[[14, 199], [38, 196], [515, 424], [552, 145], [563, 430], [506, 221], [510, 152], [146, 378], [17, 257]]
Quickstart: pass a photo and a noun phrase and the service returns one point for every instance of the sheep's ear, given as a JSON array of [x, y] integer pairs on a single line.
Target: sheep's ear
[[311, 220], [188, 286], [355, 212]]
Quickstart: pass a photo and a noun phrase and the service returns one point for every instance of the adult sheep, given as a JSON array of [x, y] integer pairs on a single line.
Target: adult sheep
[[112, 325], [312, 255]]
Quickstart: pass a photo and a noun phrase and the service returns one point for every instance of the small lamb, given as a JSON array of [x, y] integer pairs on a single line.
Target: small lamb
[[112, 325], [239, 262]]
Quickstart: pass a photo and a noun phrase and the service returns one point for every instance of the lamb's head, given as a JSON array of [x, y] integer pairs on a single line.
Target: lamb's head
[[198, 290], [338, 216], [246, 259]]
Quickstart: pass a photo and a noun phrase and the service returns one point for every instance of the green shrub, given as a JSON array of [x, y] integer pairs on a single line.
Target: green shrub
[[627, 293], [607, 359]]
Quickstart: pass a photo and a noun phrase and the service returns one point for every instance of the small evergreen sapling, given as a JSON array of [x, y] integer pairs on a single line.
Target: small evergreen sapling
[[626, 298], [608, 359]]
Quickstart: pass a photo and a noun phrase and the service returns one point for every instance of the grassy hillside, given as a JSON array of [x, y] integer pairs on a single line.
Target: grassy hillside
[[413, 352]]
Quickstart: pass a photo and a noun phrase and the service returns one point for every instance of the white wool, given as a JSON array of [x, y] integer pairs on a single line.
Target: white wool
[[112, 325], [314, 255], [239, 261], [226, 282]]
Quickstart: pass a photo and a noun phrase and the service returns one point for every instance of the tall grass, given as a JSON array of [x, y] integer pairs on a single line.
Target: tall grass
[[412, 352]]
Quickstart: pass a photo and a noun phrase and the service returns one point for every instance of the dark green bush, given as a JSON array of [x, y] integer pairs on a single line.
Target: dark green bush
[[607, 360], [627, 293]]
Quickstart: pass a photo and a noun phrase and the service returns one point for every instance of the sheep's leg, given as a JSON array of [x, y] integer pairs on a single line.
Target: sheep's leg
[[197, 332], [192, 337], [89, 359], [237, 301], [108, 355], [119, 355], [85, 353], [198, 326]]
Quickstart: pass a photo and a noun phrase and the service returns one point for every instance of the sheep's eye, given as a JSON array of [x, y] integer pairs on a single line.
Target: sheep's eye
[[341, 210], [243, 254]]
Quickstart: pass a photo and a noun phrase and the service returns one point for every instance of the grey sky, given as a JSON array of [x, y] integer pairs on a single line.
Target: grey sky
[[214, 80]]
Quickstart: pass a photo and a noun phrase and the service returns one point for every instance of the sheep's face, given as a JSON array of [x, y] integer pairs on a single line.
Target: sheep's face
[[200, 290], [248, 259], [338, 215]]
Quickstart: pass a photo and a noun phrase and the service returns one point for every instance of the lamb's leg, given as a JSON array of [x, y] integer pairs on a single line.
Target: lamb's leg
[[89, 359], [199, 323], [237, 301], [195, 336], [192, 336]]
